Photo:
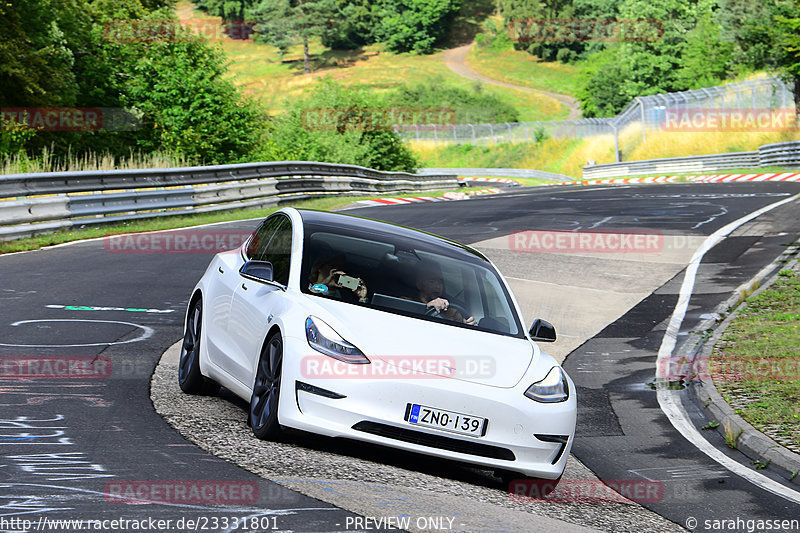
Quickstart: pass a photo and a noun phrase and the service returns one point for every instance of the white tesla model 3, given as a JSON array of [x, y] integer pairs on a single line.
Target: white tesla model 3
[[349, 327]]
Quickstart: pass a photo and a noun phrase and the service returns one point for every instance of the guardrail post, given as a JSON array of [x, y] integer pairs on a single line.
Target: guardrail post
[[641, 114]]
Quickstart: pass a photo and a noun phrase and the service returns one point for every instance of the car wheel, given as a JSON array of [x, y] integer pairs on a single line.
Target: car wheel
[[189, 377], [266, 390]]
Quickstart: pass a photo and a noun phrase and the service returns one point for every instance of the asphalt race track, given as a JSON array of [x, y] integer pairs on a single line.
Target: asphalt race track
[[82, 441]]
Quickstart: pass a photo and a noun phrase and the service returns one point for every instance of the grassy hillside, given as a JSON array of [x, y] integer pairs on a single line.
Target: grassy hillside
[[262, 72], [521, 68]]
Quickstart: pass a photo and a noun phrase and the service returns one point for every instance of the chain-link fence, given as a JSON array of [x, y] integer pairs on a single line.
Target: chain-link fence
[[656, 112]]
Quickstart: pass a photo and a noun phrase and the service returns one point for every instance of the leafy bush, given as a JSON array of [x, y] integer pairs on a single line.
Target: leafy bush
[[332, 124], [494, 37], [171, 80], [472, 105], [187, 107]]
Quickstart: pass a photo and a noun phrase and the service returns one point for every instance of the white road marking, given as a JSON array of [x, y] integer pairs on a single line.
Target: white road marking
[[669, 401], [681, 472], [147, 332]]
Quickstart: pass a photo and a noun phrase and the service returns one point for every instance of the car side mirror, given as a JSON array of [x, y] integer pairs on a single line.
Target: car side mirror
[[260, 271], [542, 331]]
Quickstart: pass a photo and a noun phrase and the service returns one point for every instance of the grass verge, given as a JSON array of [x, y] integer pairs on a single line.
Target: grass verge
[[521, 68], [756, 364], [327, 203]]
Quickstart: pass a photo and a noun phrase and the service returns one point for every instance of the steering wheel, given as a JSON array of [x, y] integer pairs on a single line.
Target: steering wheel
[[432, 312]]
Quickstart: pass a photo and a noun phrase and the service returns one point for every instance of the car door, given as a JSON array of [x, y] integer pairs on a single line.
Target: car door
[[220, 293], [254, 304]]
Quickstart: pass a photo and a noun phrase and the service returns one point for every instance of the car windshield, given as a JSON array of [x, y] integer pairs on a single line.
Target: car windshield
[[406, 276]]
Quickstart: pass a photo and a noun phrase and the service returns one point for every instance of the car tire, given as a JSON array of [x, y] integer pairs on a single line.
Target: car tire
[[190, 379], [263, 414]]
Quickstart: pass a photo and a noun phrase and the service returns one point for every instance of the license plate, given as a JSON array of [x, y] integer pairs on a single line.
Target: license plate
[[420, 415]]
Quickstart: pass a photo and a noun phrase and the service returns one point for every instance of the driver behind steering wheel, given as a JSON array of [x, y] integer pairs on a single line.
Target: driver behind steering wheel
[[430, 285]]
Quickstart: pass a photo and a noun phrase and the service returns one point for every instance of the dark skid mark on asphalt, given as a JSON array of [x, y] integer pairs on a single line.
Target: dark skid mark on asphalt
[[596, 416]]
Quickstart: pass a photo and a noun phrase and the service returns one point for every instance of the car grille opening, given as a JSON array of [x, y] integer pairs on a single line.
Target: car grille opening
[[562, 439], [435, 441]]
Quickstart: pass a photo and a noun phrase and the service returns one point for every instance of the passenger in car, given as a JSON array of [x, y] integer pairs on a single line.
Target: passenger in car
[[325, 276], [430, 285]]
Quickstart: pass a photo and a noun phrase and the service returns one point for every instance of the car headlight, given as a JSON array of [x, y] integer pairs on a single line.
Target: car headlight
[[324, 339], [552, 389]]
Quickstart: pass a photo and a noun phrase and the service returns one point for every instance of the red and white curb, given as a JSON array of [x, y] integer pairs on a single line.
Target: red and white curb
[[713, 178], [724, 178], [421, 199], [488, 180]]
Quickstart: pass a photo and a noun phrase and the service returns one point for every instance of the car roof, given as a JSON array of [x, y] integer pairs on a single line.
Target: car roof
[[360, 224]]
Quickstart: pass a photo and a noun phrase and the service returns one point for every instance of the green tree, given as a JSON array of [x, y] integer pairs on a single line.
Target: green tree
[[35, 57], [764, 36], [283, 23], [602, 94], [356, 24], [187, 106], [414, 25], [227, 9], [789, 39], [751, 25], [59, 53], [334, 124], [706, 58], [542, 27], [233, 14]]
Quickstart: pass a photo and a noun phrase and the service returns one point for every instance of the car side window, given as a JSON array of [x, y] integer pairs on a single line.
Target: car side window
[[279, 252], [261, 237]]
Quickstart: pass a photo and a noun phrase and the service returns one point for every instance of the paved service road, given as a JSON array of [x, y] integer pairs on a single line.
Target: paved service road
[[77, 440]]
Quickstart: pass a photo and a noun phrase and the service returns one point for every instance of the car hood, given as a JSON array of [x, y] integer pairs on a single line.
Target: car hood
[[428, 348]]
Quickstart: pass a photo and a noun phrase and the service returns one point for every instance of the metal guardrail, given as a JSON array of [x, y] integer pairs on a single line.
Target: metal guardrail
[[497, 172], [778, 154], [45, 202]]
